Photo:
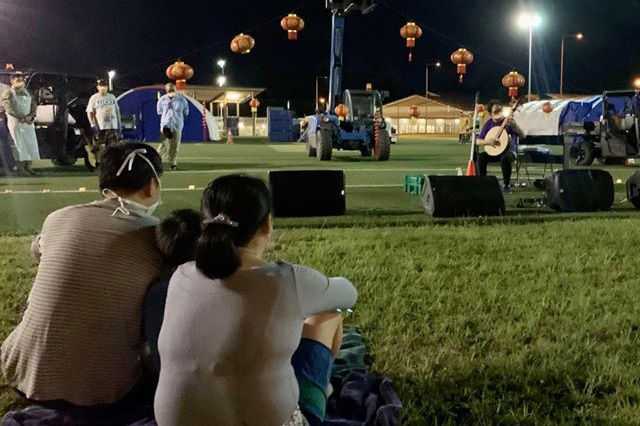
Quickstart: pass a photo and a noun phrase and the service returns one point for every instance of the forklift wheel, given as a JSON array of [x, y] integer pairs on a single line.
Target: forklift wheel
[[382, 149], [324, 145]]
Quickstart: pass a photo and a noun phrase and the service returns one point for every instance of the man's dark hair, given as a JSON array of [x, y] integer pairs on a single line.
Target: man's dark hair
[[101, 82], [492, 103], [177, 236], [129, 180]]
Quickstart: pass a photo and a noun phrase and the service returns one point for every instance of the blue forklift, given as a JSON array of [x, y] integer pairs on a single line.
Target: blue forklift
[[363, 126]]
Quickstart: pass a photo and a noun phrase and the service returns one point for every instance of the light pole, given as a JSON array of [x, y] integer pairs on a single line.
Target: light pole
[[318, 77], [577, 36], [426, 79], [111, 74], [636, 83], [529, 20], [221, 80], [426, 92]]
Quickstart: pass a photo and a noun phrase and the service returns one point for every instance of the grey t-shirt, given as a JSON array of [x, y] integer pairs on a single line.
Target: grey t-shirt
[[106, 109], [226, 345]]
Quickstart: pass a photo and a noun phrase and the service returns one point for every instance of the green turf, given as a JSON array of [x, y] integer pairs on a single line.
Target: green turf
[[532, 318]]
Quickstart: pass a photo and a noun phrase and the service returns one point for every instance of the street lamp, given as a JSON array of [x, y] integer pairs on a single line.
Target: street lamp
[[530, 21], [577, 36], [111, 74], [321, 101], [426, 79], [221, 80], [426, 92], [318, 77], [636, 83]]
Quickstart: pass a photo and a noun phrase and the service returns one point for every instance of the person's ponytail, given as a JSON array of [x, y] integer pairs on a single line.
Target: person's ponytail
[[216, 253]]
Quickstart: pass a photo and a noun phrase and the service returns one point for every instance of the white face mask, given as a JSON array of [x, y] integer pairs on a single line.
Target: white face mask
[[124, 202]]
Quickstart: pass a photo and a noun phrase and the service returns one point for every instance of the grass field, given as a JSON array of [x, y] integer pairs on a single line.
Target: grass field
[[531, 318]]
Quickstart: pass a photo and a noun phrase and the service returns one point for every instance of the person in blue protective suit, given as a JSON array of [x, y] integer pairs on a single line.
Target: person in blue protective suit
[[173, 108]]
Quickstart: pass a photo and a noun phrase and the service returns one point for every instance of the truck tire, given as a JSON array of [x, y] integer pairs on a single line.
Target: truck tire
[[324, 144], [382, 148], [311, 151], [582, 153], [64, 159]]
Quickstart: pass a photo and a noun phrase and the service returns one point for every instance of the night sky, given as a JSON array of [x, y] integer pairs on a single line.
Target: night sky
[[140, 38]]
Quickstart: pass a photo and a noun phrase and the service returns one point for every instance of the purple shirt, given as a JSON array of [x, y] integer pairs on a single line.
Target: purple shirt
[[490, 124]]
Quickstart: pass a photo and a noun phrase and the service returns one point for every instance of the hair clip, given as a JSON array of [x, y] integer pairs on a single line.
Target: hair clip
[[222, 219]]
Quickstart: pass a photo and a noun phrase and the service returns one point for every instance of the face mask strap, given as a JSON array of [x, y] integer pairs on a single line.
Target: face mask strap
[[129, 159], [121, 208]]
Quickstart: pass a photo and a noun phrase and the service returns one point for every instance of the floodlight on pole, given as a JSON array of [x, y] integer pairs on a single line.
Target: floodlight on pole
[[636, 83], [528, 20], [426, 78], [111, 74], [578, 36], [221, 80], [319, 77]]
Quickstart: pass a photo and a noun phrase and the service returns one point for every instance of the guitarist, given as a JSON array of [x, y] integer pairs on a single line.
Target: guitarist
[[508, 156]]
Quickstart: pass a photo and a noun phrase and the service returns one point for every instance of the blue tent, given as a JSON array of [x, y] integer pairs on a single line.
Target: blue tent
[[141, 104]]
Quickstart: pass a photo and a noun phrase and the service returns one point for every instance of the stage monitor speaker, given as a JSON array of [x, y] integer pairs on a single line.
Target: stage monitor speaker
[[449, 196], [633, 189], [579, 190], [298, 193]]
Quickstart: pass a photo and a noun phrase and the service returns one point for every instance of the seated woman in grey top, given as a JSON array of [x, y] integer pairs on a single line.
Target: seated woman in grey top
[[233, 321]]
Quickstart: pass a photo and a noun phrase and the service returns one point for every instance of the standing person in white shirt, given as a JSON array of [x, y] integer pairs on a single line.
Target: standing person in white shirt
[[104, 116], [173, 108]]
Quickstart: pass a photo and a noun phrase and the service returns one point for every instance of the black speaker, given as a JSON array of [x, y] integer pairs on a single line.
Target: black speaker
[[633, 189], [449, 196], [580, 190], [307, 192]]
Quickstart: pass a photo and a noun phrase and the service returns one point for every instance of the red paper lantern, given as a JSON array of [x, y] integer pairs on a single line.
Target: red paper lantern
[[414, 112], [411, 32], [480, 108], [462, 57], [180, 72], [242, 43], [513, 81], [341, 110], [547, 107], [292, 23], [254, 104]]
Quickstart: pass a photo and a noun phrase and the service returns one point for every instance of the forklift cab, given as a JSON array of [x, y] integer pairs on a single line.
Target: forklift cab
[[362, 105]]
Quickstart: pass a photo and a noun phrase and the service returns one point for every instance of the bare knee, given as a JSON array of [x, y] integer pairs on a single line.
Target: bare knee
[[323, 328]]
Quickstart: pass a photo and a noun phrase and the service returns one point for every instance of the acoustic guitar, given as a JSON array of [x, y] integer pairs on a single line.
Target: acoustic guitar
[[498, 133]]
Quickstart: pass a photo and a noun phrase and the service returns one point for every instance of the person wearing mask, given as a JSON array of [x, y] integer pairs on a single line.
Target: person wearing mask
[[508, 156], [78, 344], [104, 116], [20, 108], [245, 340], [172, 108]]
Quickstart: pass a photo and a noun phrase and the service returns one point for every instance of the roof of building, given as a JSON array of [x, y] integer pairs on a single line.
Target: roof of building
[[426, 107]]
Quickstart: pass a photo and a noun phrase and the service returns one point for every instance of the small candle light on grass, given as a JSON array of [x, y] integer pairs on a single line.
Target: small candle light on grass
[[191, 187], [82, 189]]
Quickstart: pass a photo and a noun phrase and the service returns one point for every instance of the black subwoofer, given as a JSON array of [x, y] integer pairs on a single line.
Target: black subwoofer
[[449, 196], [584, 190], [307, 192], [633, 189]]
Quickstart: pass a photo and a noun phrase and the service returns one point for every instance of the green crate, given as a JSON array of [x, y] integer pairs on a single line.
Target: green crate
[[413, 184]]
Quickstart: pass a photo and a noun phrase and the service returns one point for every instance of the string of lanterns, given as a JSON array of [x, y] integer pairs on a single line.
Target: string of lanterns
[[292, 24]]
